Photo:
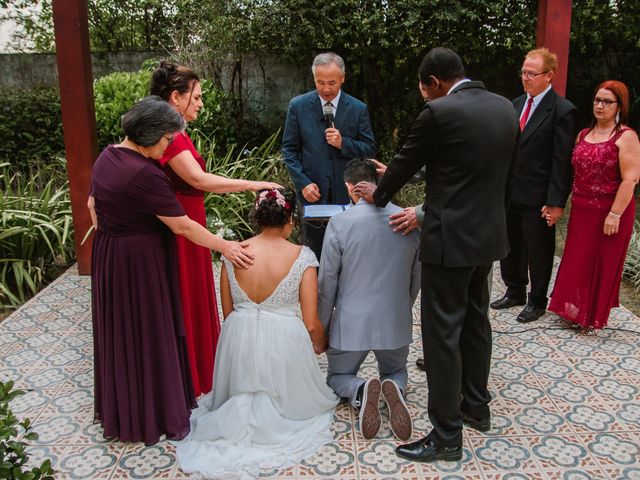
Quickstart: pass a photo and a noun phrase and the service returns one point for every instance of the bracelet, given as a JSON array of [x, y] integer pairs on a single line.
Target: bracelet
[[615, 215]]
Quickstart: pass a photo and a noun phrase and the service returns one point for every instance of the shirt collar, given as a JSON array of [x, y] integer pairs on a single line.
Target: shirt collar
[[334, 102], [455, 85], [538, 98]]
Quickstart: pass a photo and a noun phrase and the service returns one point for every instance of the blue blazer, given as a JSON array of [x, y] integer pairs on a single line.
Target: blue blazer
[[308, 156]]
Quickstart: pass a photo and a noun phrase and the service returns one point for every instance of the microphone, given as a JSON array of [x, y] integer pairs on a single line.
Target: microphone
[[327, 110]]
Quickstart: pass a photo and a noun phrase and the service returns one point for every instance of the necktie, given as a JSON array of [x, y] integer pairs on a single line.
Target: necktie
[[525, 115], [329, 105]]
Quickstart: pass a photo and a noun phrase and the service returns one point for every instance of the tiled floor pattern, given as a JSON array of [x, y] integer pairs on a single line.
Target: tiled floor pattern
[[566, 405]]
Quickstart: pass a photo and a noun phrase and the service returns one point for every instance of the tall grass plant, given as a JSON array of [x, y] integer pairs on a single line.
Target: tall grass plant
[[35, 230]]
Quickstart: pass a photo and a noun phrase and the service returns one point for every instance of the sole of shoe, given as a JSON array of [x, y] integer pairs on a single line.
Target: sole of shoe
[[399, 416], [369, 416]]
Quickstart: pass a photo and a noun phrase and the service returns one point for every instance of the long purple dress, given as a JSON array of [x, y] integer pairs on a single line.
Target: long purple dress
[[142, 383]]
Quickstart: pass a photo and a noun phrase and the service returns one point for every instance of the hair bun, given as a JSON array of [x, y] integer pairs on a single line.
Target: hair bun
[[273, 208]]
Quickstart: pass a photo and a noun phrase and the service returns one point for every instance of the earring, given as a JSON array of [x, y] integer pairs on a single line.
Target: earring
[[618, 117]]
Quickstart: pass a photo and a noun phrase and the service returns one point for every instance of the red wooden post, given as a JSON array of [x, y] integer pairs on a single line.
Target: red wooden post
[[553, 30], [73, 56]]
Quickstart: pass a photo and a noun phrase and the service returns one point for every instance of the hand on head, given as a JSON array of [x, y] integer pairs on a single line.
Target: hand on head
[[257, 186], [381, 168], [365, 190]]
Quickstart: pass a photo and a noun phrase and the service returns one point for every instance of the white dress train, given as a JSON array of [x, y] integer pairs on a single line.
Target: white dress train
[[270, 406]]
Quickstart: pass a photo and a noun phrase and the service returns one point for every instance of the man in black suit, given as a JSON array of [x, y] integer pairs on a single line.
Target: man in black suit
[[540, 186], [465, 136]]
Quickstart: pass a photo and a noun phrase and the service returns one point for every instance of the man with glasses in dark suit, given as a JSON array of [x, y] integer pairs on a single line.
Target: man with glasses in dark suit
[[540, 186]]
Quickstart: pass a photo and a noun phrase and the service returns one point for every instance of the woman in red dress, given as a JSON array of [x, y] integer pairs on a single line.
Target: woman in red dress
[[180, 87], [606, 163]]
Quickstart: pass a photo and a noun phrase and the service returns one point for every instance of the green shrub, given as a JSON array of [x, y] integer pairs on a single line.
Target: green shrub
[[114, 94], [13, 457], [35, 231], [632, 263], [30, 126]]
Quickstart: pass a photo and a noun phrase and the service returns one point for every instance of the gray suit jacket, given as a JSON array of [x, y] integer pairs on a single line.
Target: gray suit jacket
[[369, 279]]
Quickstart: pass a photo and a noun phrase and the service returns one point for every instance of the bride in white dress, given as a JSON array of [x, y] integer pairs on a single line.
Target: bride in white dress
[[270, 406]]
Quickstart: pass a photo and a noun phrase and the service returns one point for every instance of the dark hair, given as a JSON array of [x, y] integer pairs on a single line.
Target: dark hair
[[169, 77], [360, 170], [443, 63], [621, 93], [149, 119], [267, 212]]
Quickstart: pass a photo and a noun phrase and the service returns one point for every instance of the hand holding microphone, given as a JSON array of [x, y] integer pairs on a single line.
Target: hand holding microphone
[[332, 134]]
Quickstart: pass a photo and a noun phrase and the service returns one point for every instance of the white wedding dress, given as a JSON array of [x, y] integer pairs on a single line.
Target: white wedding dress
[[270, 406]]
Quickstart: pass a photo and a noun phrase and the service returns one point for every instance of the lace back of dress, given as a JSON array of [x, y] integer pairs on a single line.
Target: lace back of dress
[[288, 290]]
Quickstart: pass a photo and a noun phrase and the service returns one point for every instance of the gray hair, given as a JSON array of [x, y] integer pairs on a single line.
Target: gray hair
[[149, 119], [326, 59]]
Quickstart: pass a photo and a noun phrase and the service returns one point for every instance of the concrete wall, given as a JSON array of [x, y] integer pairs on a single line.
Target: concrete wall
[[26, 70], [267, 86]]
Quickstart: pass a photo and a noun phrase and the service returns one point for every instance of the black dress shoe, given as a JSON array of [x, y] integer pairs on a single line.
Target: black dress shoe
[[424, 450], [421, 365], [506, 302], [482, 425], [530, 313]]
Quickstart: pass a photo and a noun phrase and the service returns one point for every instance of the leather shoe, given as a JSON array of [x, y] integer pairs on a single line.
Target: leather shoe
[[481, 425], [421, 365], [530, 313], [425, 450], [506, 302]]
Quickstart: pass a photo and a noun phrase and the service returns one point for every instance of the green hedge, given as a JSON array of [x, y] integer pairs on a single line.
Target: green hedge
[[30, 126], [117, 92]]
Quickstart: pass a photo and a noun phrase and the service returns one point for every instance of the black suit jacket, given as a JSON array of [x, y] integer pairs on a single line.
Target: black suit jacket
[[542, 173], [466, 141]]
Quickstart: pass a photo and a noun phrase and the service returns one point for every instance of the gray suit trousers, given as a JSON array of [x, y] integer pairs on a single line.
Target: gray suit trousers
[[342, 373]]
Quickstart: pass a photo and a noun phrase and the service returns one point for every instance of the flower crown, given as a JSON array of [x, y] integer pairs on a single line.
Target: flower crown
[[275, 195]]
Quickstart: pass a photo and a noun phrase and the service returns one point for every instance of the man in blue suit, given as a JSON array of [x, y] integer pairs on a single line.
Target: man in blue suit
[[325, 128]]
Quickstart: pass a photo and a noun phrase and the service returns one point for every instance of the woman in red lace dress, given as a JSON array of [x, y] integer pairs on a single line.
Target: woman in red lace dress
[[180, 87], [606, 163]]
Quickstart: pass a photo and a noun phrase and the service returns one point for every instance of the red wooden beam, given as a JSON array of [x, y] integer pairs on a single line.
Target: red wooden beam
[[553, 30], [73, 56]]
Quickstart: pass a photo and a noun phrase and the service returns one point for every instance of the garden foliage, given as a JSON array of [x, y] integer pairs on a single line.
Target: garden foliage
[[13, 455], [30, 127], [35, 230]]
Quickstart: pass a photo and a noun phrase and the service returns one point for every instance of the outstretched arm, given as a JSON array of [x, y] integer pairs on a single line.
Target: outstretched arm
[[187, 168]]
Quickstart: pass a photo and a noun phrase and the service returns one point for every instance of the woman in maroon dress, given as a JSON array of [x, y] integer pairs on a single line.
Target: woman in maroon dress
[[180, 87], [606, 163], [142, 383]]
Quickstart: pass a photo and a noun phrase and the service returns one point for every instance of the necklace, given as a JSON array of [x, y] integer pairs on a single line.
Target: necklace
[[604, 133]]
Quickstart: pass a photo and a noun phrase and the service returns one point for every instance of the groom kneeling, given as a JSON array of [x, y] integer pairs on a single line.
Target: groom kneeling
[[369, 279]]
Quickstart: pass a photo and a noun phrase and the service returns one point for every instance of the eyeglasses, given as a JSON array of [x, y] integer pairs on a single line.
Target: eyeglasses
[[169, 138], [605, 102], [530, 75]]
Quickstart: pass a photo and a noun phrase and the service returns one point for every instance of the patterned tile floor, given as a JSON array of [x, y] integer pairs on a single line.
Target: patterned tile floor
[[565, 405]]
